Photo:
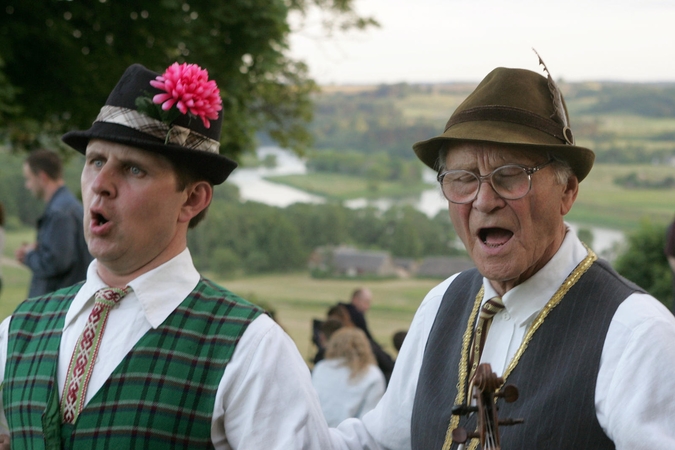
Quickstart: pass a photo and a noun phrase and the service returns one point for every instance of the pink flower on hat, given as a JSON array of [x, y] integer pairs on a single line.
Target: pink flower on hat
[[188, 87]]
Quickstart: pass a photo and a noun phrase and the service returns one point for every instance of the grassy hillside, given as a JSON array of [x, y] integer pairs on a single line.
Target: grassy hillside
[[298, 298], [622, 122], [15, 277], [602, 202]]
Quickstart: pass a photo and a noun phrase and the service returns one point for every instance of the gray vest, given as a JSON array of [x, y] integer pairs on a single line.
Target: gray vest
[[556, 376]]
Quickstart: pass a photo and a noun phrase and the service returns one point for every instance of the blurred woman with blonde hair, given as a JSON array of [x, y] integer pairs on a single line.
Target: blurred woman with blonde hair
[[348, 381]]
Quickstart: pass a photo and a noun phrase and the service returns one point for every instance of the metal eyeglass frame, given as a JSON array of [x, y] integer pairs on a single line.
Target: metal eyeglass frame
[[528, 171]]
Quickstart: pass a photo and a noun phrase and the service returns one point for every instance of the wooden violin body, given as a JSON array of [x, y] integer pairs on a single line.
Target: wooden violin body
[[485, 388]]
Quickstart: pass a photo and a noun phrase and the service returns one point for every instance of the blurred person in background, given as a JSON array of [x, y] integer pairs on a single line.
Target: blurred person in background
[[359, 303], [357, 307], [398, 338], [347, 380], [59, 258], [324, 330]]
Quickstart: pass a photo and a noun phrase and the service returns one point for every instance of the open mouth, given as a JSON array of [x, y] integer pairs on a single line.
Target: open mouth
[[98, 219], [494, 237]]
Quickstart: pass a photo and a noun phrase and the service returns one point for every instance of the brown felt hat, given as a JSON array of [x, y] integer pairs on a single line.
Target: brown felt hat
[[517, 108]]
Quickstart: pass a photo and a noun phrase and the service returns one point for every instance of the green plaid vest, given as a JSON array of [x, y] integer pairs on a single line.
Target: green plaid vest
[[160, 396]]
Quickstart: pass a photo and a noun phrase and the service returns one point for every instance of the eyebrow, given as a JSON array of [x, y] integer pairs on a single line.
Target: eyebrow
[[91, 153]]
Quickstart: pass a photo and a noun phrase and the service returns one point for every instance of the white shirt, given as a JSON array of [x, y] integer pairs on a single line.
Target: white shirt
[[635, 388], [265, 399], [340, 395]]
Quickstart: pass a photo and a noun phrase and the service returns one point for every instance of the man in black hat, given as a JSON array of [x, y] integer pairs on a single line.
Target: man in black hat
[[591, 353], [146, 353]]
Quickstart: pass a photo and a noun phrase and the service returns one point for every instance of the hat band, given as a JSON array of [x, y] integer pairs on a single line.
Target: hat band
[[174, 134], [513, 115]]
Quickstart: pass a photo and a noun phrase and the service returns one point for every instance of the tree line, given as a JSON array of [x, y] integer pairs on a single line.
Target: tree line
[[368, 122], [243, 238], [647, 100]]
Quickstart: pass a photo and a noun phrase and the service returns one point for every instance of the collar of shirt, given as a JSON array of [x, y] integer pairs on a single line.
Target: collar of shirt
[[524, 301], [158, 291], [52, 204], [56, 195]]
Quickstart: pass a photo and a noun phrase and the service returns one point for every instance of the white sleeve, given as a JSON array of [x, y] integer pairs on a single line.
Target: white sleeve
[[375, 388], [266, 399], [635, 394], [387, 427]]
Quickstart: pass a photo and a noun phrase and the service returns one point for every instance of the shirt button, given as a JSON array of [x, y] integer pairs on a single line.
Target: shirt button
[[506, 316]]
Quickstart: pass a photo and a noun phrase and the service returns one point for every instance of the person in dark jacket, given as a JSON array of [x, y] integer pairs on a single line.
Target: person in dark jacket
[[59, 258]]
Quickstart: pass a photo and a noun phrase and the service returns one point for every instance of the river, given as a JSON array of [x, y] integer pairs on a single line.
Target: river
[[253, 187]]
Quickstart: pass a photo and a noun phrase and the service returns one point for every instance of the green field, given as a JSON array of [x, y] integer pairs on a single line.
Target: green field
[[298, 298], [15, 277], [601, 202]]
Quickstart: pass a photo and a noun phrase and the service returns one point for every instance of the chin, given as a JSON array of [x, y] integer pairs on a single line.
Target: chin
[[497, 272]]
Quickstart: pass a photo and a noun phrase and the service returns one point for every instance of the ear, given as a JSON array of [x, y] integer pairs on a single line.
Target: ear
[[571, 189], [199, 195], [43, 177]]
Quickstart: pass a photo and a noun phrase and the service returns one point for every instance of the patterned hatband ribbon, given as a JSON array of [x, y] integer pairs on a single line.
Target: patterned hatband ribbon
[[174, 134]]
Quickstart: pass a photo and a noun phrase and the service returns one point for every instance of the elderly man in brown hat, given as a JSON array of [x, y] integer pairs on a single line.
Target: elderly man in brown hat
[[591, 354], [146, 353]]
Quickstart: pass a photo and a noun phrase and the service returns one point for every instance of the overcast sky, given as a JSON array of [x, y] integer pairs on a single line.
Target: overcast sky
[[463, 40]]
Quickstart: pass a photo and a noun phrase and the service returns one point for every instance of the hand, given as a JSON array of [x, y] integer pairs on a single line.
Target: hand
[[21, 253], [4, 442]]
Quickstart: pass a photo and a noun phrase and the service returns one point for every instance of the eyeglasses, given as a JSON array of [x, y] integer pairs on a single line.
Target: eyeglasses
[[510, 182]]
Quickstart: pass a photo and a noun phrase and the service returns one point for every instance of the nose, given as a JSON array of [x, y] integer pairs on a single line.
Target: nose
[[487, 198], [103, 182]]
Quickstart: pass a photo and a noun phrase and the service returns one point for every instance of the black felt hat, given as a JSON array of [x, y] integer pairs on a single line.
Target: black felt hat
[[185, 140]]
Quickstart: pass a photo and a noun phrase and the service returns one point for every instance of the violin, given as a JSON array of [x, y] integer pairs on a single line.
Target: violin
[[485, 390]]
